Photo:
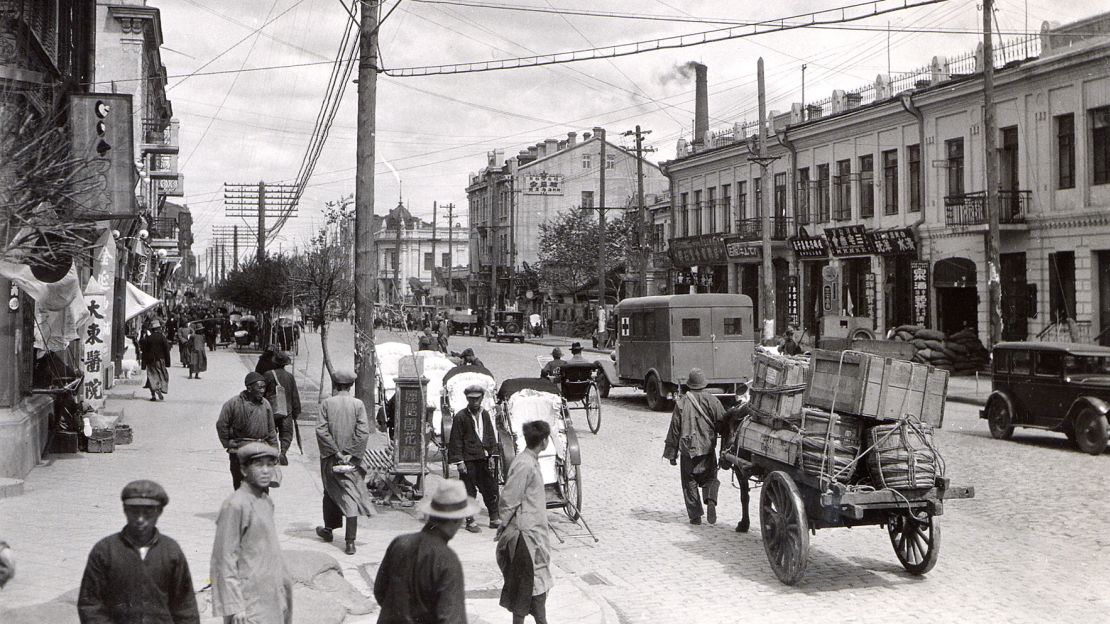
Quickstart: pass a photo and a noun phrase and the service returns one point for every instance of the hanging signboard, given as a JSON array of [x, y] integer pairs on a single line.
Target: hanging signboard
[[737, 250], [810, 247], [869, 296], [849, 240], [409, 417], [543, 184], [893, 242], [792, 300], [830, 290], [697, 251], [919, 272]]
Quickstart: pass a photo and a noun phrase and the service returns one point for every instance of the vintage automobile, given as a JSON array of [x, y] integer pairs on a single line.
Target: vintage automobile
[[1058, 386], [506, 325], [660, 338]]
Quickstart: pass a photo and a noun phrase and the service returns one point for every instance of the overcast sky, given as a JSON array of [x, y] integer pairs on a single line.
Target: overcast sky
[[242, 127]]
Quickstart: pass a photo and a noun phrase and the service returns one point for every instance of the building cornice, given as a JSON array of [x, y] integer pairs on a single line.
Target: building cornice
[[134, 20]]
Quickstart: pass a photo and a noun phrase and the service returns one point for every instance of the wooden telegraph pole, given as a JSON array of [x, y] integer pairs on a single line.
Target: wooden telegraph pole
[[645, 227], [365, 253], [994, 283], [601, 239], [450, 253], [767, 291]]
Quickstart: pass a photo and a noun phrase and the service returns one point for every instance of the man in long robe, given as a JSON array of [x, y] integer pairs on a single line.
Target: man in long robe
[[697, 419], [341, 435], [523, 542], [250, 583], [154, 354]]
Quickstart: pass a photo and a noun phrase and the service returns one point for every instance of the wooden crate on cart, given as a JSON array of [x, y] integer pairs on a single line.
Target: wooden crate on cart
[[778, 385], [782, 445], [870, 386]]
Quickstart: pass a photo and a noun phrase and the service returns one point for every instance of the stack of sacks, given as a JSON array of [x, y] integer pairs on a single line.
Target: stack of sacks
[[527, 405], [959, 353], [389, 361], [436, 366], [456, 386]]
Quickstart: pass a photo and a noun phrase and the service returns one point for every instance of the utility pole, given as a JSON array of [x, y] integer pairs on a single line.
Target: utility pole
[[235, 246], [645, 250], [601, 239], [253, 201], [994, 283], [450, 254], [397, 289], [223, 261], [435, 217], [261, 221], [365, 252], [767, 292]]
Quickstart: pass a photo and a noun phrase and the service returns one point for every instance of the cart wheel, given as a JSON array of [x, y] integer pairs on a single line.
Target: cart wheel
[[570, 481], [593, 408], [785, 528], [916, 540], [603, 385], [1000, 420]]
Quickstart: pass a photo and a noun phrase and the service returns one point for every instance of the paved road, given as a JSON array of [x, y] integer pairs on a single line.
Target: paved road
[[1031, 546]]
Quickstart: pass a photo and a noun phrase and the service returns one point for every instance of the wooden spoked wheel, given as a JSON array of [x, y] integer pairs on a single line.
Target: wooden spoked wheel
[[593, 408], [785, 528], [916, 540], [570, 482]]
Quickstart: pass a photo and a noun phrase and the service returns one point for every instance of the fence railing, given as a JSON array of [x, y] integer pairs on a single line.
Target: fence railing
[[971, 208], [782, 228]]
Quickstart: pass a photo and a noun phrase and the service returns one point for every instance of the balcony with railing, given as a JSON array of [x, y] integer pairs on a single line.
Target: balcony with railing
[[782, 228], [163, 227], [971, 208], [160, 137]]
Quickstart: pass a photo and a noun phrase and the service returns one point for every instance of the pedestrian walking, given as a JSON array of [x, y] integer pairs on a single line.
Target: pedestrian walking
[[523, 542], [469, 358], [184, 341], [250, 582], [443, 331], [692, 441], [138, 574], [341, 435], [211, 331], [198, 353], [285, 401], [245, 418], [789, 346], [473, 448], [427, 341], [420, 578], [155, 360]]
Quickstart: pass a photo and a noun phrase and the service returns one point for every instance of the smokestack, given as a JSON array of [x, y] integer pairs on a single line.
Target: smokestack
[[701, 104]]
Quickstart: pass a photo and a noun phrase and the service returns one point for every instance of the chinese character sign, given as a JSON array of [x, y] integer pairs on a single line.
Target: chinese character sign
[[849, 240], [96, 340], [869, 296], [893, 242], [810, 247], [919, 272], [792, 300], [543, 184]]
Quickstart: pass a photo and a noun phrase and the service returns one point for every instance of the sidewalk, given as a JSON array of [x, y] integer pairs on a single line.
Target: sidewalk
[[73, 500], [969, 389], [563, 342]]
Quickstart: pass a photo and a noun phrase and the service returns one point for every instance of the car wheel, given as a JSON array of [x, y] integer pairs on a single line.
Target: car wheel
[[1091, 431], [999, 420], [603, 385]]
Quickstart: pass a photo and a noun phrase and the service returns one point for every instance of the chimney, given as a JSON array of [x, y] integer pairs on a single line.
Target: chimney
[[552, 146], [585, 136], [541, 150], [572, 139], [701, 104]]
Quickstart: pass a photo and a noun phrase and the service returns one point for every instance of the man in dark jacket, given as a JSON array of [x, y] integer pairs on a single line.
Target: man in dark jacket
[[420, 578], [138, 574], [697, 419], [285, 401], [246, 417], [154, 351], [472, 447]]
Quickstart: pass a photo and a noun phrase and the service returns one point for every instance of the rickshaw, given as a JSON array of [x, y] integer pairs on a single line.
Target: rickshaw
[[578, 387], [248, 330], [452, 398], [525, 399]]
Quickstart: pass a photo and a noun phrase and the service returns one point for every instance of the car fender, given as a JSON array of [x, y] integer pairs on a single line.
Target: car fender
[[998, 395], [574, 453], [609, 369], [1095, 403]]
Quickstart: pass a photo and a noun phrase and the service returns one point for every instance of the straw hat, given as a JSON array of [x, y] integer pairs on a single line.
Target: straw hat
[[449, 502]]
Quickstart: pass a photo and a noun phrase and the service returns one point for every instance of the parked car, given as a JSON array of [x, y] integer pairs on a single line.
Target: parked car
[[506, 325], [1056, 386]]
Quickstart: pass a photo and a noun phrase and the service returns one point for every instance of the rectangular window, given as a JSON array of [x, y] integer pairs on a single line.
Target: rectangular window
[[843, 185], [585, 161], [726, 207], [429, 261], [695, 215], [890, 182], [1061, 284], [445, 259], [660, 241], [780, 195], [1001, 361], [711, 208], [913, 152], [822, 212], [1020, 363], [801, 210], [734, 326], [587, 199], [1065, 151], [684, 208], [1100, 145], [610, 161], [691, 327], [954, 151], [757, 197], [1049, 364], [866, 186], [742, 200]]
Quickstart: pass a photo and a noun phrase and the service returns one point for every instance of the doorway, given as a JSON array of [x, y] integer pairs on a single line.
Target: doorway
[[1008, 174], [749, 285], [811, 301], [1103, 259], [954, 280], [1015, 308], [898, 291]]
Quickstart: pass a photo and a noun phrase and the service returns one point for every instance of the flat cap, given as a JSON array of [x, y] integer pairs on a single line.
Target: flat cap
[[252, 450], [343, 376], [474, 390], [281, 358], [144, 492], [253, 377], [467, 352]]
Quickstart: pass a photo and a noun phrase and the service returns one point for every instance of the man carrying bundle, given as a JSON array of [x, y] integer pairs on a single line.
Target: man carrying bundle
[[698, 417]]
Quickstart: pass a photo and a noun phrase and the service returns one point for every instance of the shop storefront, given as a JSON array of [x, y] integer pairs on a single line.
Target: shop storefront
[[700, 265], [812, 253]]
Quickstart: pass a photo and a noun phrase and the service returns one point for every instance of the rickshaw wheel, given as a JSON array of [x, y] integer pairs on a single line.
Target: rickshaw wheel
[[916, 540], [593, 408], [785, 528], [570, 482]]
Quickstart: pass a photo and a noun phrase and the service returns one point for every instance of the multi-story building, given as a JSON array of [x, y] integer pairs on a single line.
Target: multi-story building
[[879, 193], [414, 254], [510, 199]]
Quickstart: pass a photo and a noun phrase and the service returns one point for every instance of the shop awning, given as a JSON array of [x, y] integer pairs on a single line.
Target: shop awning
[[138, 301]]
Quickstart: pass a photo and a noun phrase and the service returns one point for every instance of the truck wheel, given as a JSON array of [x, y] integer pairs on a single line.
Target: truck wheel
[[1090, 432], [656, 395], [603, 385]]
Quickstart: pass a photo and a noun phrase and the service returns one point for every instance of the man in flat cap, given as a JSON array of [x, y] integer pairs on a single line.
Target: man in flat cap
[[285, 401], [341, 434], [552, 369], [250, 582], [471, 448], [470, 359], [138, 574], [420, 578], [246, 417]]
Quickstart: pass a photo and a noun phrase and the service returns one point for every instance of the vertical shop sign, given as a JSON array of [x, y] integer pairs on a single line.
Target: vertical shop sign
[[920, 282], [869, 295], [792, 301], [96, 338]]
